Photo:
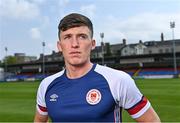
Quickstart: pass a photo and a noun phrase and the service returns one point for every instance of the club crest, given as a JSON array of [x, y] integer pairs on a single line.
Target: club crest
[[93, 96]]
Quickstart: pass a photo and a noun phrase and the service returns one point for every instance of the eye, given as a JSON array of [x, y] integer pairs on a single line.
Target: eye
[[66, 37], [83, 36]]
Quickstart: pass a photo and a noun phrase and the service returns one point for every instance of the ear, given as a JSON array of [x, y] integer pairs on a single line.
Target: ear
[[59, 46], [93, 44]]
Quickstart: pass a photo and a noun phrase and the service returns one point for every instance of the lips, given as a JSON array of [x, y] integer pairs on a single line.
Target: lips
[[74, 52]]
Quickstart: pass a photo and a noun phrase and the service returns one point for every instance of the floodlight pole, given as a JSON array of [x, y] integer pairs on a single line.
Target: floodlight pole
[[5, 70], [172, 26], [43, 67], [102, 47]]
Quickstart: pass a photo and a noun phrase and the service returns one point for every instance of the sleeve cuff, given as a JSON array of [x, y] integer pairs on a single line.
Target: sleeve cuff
[[140, 108], [142, 111], [42, 110]]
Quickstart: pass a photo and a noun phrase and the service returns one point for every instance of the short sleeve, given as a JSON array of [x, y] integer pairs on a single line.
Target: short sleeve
[[131, 98], [41, 105], [124, 91]]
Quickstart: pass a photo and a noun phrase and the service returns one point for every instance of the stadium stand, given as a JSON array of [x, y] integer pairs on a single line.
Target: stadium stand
[[157, 71], [22, 77], [153, 72]]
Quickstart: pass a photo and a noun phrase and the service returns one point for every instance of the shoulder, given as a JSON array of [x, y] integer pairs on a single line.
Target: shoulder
[[48, 80], [43, 88], [112, 74], [119, 81]]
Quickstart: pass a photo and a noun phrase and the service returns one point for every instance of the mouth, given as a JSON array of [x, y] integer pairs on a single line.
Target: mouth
[[75, 53]]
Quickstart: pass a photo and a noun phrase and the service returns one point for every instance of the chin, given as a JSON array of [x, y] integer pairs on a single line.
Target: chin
[[77, 63]]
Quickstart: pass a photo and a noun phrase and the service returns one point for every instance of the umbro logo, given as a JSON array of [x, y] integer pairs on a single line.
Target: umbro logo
[[53, 97]]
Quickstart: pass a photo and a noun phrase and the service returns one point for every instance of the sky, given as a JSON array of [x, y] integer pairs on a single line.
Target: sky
[[25, 24]]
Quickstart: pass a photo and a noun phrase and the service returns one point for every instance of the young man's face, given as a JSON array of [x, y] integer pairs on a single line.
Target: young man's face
[[76, 44]]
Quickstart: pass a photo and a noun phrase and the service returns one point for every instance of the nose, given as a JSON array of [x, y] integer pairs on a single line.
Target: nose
[[75, 42]]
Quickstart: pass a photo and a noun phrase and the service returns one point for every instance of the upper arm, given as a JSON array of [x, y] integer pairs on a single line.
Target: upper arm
[[41, 114], [40, 118], [136, 104], [149, 116]]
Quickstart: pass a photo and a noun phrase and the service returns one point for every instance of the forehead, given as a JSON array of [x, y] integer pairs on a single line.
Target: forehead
[[76, 30]]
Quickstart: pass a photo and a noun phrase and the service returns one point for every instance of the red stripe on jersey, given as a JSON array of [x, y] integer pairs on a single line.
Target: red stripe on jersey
[[138, 106], [44, 109]]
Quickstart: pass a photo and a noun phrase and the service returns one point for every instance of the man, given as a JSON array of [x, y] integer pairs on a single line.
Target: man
[[87, 92]]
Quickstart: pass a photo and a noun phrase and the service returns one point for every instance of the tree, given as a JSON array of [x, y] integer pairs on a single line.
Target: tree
[[10, 60], [108, 50], [1, 64]]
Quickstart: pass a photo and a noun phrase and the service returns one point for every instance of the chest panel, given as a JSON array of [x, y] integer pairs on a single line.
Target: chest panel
[[85, 99]]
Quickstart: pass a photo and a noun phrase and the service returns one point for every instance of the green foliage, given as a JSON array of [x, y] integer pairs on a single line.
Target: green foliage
[[18, 99], [108, 50], [10, 60], [1, 64]]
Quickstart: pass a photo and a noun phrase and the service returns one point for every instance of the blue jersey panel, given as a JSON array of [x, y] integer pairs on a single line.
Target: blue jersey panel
[[85, 99]]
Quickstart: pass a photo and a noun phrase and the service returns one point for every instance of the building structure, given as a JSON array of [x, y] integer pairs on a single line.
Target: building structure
[[147, 54], [21, 58]]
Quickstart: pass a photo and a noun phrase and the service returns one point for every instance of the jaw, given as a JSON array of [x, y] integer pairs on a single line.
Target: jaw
[[77, 61]]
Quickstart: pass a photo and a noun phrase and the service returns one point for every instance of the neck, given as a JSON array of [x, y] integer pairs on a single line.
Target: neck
[[77, 71]]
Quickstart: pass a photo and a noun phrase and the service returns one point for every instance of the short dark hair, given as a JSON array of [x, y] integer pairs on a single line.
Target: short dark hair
[[74, 20]]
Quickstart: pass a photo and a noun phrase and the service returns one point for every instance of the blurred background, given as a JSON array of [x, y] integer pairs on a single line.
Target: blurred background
[[140, 37]]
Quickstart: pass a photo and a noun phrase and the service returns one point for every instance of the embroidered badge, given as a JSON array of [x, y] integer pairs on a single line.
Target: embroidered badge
[[53, 97], [93, 96]]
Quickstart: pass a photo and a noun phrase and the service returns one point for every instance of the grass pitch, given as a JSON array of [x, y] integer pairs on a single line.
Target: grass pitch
[[18, 99], [164, 95]]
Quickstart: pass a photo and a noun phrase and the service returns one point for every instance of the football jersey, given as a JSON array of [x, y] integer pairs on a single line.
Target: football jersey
[[98, 96]]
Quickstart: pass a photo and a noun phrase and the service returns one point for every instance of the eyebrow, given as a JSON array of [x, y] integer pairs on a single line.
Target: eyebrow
[[79, 34], [82, 34], [66, 35]]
